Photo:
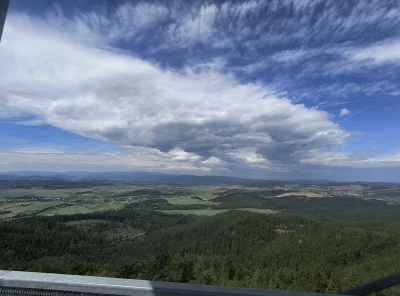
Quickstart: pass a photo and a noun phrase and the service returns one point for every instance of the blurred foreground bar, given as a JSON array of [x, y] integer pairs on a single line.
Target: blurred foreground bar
[[16, 283]]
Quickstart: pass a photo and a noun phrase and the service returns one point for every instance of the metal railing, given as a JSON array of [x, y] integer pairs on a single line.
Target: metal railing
[[16, 283], [375, 286]]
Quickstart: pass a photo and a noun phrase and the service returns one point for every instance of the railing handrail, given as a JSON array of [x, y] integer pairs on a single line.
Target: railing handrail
[[117, 286], [375, 286]]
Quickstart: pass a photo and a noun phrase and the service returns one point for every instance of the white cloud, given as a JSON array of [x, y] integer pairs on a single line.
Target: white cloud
[[181, 155], [352, 159], [291, 56], [211, 161], [198, 25], [103, 28], [151, 160], [229, 9], [32, 122], [66, 73], [284, 58], [377, 60], [52, 160], [121, 99], [218, 25], [344, 112], [37, 151], [388, 51], [253, 67]]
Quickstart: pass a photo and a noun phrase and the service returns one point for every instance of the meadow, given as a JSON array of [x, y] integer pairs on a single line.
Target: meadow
[[67, 199]]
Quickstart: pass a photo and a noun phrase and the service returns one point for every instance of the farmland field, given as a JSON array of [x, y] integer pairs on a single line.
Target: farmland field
[[18, 192], [207, 193], [25, 207], [83, 209], [64, 198], [42, 200]]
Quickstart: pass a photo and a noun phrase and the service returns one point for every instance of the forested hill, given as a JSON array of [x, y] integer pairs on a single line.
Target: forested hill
[[235, 248]]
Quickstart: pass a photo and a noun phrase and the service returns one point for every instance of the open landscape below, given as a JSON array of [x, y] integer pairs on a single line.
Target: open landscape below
[[261, 234]]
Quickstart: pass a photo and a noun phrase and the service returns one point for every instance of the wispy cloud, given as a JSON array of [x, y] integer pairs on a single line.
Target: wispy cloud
[[196, 25], [351, 159], [383, 52]]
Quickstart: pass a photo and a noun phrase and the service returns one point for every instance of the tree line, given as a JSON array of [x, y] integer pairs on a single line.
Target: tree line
[[235, 248]]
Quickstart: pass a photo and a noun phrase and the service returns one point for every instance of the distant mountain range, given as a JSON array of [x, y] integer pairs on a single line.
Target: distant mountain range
[[140, 176]]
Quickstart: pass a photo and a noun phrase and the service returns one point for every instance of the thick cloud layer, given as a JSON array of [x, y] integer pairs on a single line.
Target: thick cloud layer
[[115, 97]]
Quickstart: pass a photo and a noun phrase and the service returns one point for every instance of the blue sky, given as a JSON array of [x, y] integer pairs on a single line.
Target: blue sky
[[262, 89]]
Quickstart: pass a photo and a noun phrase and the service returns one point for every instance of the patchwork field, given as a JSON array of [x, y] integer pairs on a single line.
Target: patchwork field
[[19, 202], [83, 209], [66, 198], [207, 193], [11, 210]]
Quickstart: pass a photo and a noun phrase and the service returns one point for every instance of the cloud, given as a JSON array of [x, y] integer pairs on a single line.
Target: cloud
[[352, 159], [172, 24], [278, 60], [383, 52], [292, 56], [344, 112], [52, 160], [260, 29], [211, 23], [103, 28], [198, 25], [145, 159], [118, 98], [70, 72], [32, 122]]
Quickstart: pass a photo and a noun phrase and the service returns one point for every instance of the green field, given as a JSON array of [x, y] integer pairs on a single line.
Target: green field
[[97, 191], [184, 200], [25, 207], [291, 186], [115, 190], [82, 209], [212, 212], [43, 192], [207, 192], [197, 200], [28, 208], [97, 198]]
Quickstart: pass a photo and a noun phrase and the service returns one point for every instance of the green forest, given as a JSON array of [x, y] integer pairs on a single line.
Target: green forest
[[236, 248]]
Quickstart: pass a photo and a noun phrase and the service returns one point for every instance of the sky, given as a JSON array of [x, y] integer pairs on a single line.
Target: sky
[[254, 89]]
